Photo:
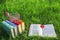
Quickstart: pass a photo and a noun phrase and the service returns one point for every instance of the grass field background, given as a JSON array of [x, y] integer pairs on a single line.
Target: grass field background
[[32, 11]]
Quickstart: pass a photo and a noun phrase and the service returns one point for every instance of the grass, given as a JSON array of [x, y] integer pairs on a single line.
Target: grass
[[32, 11]]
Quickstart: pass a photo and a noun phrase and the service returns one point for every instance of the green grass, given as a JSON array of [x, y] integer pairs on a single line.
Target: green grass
[[32, 11]]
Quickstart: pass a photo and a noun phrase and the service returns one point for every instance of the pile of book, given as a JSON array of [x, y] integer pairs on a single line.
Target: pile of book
[[14, 27]]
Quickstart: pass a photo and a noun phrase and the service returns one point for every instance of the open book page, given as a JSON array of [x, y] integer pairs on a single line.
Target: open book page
[[49, 31], [35, 30]]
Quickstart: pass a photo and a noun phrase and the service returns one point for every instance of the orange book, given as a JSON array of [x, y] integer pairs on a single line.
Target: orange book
[[23, 25]]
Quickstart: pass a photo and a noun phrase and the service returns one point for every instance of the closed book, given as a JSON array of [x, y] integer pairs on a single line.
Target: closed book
[[14, 25], [18, 23], [5, 25], [9, 27], [5, 29], [23, 25]]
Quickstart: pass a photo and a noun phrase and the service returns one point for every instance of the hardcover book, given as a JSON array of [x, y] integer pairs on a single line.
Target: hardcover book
[[23, 25], [8, 28]]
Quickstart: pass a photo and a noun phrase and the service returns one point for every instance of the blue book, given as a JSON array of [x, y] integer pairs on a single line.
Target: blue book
[[11, 23], [14, 26]]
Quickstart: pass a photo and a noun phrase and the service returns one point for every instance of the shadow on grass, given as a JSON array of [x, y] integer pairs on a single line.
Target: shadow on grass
[[2, 1]]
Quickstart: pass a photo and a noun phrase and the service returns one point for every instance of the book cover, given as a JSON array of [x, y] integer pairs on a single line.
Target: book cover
[[7, 30], [4, 24]]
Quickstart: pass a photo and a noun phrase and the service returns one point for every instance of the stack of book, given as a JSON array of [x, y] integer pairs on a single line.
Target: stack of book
[[13, 28]]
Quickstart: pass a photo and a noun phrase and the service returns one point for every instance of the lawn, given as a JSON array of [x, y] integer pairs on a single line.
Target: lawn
[[31, 11]]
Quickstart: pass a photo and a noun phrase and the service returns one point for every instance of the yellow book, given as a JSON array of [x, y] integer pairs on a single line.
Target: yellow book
[[22, 25]]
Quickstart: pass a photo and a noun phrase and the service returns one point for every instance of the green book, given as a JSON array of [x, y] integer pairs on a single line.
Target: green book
[[7, 30], [7, 27]]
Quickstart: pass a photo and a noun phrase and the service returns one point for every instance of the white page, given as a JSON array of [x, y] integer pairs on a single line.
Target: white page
[[49, 31], [35, 30]]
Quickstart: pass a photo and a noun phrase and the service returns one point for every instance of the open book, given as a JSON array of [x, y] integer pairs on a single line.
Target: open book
[[42, 30]]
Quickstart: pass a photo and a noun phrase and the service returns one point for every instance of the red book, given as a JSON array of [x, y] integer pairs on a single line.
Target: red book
[[18, 23]]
